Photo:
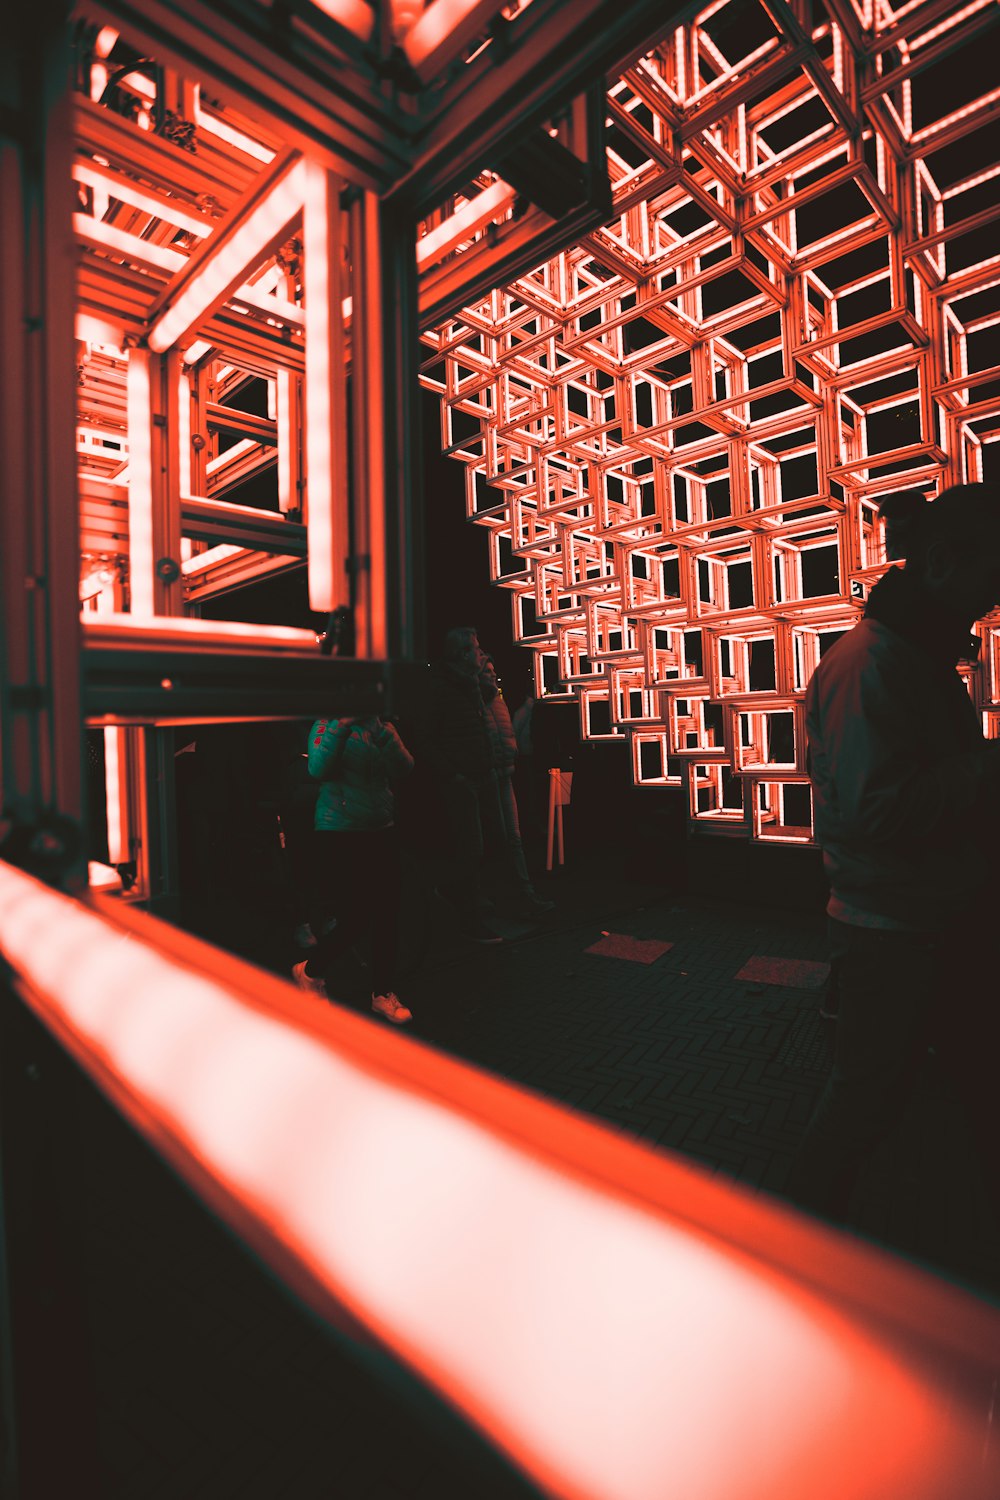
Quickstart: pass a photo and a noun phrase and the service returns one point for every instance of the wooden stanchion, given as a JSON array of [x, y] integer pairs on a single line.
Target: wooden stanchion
[[560, 788]]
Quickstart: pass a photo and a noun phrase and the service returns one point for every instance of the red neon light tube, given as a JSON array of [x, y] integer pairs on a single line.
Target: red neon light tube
[[621, 1326]]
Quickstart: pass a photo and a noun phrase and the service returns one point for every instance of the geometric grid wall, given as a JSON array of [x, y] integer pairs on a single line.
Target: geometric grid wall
[[677, 434]]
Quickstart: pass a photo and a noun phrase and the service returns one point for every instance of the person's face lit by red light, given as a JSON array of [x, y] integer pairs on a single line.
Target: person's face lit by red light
[[472, 658]]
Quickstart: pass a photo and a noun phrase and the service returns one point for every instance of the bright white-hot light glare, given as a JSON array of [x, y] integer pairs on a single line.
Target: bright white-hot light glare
[[140, 485], [209, 558], [326, 435], [404, 13], [354, 15], [184, 433], [105, 41], [93, 330], [234, 633], [171, 210], [113, 794], [602, 1352], [464, 222], [197, 350], [212, 125], [980, 106], [226, 269], [129, 246], [223, 460], [442, 30], [139, 84], [286, 437]]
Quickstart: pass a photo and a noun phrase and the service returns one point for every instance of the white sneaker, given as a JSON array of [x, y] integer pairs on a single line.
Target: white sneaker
[[306, 981], [392, 1008]]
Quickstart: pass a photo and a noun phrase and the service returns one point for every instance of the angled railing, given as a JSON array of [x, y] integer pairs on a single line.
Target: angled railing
[[614, 1322]]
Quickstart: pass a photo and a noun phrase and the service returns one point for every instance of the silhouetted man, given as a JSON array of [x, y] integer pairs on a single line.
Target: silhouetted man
[[907, 793], [455, 743]]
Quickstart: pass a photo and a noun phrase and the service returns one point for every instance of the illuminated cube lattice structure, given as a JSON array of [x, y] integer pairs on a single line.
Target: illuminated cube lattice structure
[[677, 433]]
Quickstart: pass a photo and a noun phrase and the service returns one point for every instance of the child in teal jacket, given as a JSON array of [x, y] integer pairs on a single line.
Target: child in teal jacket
[[356, 760]]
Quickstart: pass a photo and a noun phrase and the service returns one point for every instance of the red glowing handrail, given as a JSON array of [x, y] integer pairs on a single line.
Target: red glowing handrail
[[617, 1323]]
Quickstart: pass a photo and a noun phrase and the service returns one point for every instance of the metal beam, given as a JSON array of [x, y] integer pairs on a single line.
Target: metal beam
[[226, 259], [41, 756], [317, 87], [549, 53], [326, 494]]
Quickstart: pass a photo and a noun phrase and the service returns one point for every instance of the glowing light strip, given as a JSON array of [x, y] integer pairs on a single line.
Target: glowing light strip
[[978, 106], [170, 210], [208, 559], [968, 183], [214, 505], [93, 439], [184, 433], [235, 633], [442, 30], [245, 445], [325, 401], [99, 331], [353, 1159], [226, 269], [197, 351], [354, 15], [212, 125], [286, 437], [137, 251], [113, 795], [139, 84], [464, 222], [918, 40], [278, 309], [140, 485]]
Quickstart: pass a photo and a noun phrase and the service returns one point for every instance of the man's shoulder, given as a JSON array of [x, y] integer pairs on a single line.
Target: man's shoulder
[[441, 677], [444, 683], [867, 657], [869, 642]]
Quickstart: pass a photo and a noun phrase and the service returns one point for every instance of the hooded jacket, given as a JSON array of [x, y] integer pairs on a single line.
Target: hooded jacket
[[905, 786], [454, 735], [501, 731], [355, 759]]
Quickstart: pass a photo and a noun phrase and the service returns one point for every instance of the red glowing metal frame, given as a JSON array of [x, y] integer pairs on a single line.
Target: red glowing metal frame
[[644, 407], [681, 424]]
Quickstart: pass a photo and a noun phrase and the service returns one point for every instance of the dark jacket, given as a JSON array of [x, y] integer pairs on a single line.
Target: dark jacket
[[502, 737], [454, 739], [355, 760], [905, 785]]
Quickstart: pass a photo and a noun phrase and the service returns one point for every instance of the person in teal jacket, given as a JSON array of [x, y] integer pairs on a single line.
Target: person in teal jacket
[[356, 761]]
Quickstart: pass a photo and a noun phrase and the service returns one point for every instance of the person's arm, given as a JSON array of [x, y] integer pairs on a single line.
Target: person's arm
[[392, 753], [868, 727], [327, 742], [506, 735]]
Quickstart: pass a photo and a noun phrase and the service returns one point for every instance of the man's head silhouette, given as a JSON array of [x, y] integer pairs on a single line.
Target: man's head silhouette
[[953, 550]]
